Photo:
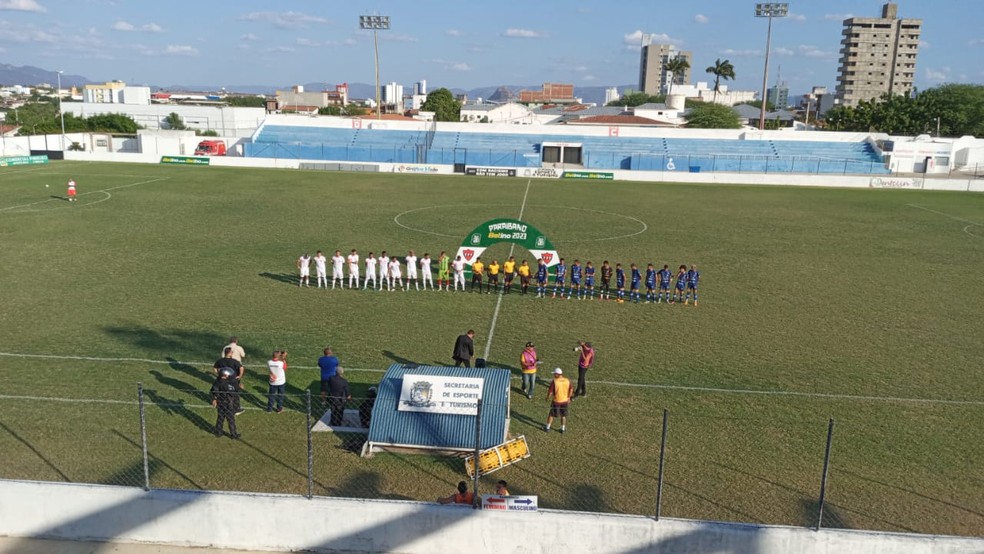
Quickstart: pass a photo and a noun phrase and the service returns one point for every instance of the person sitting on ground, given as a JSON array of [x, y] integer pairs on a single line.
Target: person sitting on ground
[[463, 496], [502, 488]]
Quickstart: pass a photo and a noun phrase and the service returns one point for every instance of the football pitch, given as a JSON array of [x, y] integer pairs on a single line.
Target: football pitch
[[859, 305]]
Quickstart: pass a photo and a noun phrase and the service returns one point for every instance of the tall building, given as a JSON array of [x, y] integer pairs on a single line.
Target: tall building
[[393, 95], [778, 96], [420, 87], [878, 56], [653, 76], [611, 95]]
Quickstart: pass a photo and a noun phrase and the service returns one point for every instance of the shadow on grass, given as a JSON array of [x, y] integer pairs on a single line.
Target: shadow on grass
[[190, 370], [156, 463], [609, 462], [177, 407], [400, 359], [912, 492], [364, 484], [832, 518], [168, 342], [744, 515], [36, 452], [288, 278]]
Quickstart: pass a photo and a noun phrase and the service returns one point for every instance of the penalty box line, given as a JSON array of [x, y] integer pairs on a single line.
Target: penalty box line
[[619, 384]]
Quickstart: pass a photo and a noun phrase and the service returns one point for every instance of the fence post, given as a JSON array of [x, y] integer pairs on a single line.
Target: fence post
[[662, 458], [310, 450], [826, 467], [143, 436], [477, 501]]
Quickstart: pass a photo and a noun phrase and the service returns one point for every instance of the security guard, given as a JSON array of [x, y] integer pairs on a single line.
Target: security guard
[[224, 399]]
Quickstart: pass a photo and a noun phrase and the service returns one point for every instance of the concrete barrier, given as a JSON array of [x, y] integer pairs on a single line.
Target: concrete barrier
[[280, 522]]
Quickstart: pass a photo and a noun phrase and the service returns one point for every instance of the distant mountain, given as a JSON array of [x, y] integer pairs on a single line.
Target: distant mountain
[[27, 75]]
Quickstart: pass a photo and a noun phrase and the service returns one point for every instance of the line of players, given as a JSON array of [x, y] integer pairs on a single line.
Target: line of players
[[660, 284]]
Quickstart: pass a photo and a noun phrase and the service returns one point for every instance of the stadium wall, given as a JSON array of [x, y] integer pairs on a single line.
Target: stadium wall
[[34, 510], [776, 179]]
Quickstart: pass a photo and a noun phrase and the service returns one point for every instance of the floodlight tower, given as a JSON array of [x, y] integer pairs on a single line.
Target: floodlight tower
[[61, 112], [375, 23], [769, 10]]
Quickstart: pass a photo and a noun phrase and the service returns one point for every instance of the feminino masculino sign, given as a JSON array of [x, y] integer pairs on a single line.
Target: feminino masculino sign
[[440, 395]]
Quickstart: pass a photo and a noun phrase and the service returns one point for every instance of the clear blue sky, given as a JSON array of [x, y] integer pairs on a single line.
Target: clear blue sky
[[457, 43]]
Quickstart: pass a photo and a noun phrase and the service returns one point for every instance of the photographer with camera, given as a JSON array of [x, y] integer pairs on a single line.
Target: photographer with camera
[[584, 363]]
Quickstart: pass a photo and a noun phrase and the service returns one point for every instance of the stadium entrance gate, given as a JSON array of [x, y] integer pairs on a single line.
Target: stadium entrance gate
[[507, 230]]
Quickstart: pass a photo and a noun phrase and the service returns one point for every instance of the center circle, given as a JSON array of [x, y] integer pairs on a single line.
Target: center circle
[[573, 228]]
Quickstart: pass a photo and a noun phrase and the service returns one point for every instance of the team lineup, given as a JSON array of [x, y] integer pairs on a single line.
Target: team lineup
[[586, 282]]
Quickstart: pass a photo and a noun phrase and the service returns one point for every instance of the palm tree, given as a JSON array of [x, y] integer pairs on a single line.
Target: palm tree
[[677, 66], [721, 70]]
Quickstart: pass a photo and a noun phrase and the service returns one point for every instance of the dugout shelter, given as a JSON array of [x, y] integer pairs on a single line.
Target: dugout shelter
[[432, 409]]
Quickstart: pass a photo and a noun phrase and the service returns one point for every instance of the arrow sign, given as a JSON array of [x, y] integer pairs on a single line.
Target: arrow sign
[[496, 500], [526, 501]]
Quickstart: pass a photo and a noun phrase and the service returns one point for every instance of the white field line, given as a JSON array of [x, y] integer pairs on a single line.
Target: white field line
[[945, 215], [103, 191], [498, 301], [715, 390]]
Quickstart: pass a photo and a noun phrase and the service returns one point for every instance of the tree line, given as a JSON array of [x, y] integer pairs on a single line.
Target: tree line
[[954, 109]]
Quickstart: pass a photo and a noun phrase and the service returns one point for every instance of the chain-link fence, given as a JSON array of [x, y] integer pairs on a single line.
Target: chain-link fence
[[625, 458]]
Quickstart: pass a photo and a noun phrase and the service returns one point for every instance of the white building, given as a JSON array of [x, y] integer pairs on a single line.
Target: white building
[[420, 87], [612, 95], [517, 114], [705, 93], [227, 121], [116, 92], [393, 95]]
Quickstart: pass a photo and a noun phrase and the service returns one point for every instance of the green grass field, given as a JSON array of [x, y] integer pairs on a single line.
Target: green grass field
[[861, 305]]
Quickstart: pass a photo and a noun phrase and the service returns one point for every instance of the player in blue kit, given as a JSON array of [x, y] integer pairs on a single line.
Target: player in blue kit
[[575, 280], [693, 277], [636, 280], [541, 279], [665, 276], [559, 278], [619, 284], [681, 284], [589, 276], [650, 284]]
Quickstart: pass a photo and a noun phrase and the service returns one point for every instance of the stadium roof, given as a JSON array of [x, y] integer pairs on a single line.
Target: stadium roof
[[437, 431]]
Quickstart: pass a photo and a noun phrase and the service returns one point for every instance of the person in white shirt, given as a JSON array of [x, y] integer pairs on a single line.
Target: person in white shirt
[[278, 382], [396, 276], [458, 265], [425, 271], [336, 269], [304, 265], [319, 265], [412, 270], [353, 261], [370, 271], [384, 278]]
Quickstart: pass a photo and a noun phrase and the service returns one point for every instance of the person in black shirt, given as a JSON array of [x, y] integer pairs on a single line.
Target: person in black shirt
[[365, 409], [228, 361], [225, 394], [464, 349], [338, 395]]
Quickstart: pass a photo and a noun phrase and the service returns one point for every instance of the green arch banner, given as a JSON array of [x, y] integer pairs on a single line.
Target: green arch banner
[[507, 230]]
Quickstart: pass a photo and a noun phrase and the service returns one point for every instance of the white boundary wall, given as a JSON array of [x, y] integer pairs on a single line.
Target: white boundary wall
[[778, 179], [285, 523]]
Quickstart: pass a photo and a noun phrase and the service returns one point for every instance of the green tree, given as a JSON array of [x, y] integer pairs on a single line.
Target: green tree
[[330, 110], [112, 123], [677, 66], [443, 104], [721, 70], [632, 99], [174, 122], [246, 101], [709, 115], [207, 133], [354, 110]]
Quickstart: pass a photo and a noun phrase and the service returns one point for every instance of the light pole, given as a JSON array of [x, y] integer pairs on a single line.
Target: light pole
[[60, 112], [375, 23], [768, 10]]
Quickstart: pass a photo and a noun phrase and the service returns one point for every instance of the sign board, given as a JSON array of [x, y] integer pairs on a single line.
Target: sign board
[[437, 394], [589, 175], [509, 503], [895, 183], [542, 173], [490, 171], [23, 160], [184, 160], [507, 230], [416, 168]]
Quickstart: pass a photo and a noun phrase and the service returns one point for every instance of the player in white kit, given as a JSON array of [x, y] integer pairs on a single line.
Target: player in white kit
[[384, 263], [370, 271], [319, 265], [425, 271], [396, 276], [458, 265], [353, 261], [412, 270], [336, 269], [304, 265]]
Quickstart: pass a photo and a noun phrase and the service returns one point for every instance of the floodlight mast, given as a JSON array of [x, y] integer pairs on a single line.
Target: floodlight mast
[[375, 23], [769, 10]]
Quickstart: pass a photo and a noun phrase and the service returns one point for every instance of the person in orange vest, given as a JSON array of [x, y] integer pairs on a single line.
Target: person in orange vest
[[559, 393], [463, 496], [528, 362]]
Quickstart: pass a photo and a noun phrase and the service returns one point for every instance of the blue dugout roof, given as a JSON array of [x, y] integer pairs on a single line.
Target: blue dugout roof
[[392, 427]]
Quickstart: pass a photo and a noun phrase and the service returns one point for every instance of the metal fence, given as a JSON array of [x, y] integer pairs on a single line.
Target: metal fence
[[776, 469]]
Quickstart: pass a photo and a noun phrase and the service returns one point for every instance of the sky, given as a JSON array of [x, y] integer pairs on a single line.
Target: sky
[[460, 43]]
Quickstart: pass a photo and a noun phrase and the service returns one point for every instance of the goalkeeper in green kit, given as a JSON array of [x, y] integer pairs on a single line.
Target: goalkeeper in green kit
[[443, 272]]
